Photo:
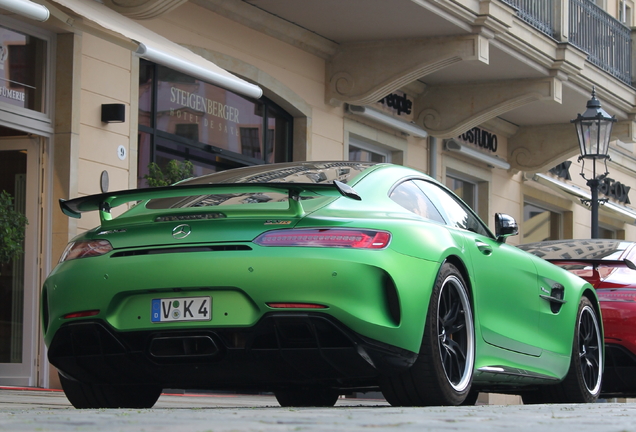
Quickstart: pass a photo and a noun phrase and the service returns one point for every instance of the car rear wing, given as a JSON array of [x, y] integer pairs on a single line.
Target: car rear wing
[[596, 263], [106, 201]]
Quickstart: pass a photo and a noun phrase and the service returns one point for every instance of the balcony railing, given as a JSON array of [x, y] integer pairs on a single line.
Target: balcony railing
[[607, 41], [538, 13]]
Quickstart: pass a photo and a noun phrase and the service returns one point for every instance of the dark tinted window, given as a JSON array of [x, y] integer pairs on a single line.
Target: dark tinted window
[[454, 211], [409, 196]]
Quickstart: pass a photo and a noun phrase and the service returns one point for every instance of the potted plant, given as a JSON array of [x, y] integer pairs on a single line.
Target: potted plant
[[174, 172], [12, 224]]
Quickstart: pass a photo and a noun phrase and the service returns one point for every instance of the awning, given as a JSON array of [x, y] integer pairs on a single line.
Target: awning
[[576, 194], [148, 44], [26, 8]]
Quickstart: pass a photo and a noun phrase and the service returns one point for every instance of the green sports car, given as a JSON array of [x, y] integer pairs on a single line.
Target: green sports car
[[311, 280]]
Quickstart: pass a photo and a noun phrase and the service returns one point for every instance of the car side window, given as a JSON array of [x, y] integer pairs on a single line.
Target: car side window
[[454, 210], [409, 196]]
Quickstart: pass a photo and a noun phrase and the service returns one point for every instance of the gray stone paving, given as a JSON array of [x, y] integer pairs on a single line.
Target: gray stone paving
[[29, 410]]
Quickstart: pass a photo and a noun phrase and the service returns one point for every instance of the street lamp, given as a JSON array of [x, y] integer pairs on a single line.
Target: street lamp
[[593, 130]]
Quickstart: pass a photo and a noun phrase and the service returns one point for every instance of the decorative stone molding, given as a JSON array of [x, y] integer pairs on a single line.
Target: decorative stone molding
[[449, 110], [143, 9], [363, 73], [539, 148], [625, 131]]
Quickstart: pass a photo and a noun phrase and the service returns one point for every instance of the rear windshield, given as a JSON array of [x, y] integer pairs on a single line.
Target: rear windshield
[[294, 172]]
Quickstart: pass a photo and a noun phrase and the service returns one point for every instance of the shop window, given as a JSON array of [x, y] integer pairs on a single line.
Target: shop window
[[540, 224], [366, 152], [189, 131], [464, 189], [606, 233], [183, 118], [23, 60], [251, 142]]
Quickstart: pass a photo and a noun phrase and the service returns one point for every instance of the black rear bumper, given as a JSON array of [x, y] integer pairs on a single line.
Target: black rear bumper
[[280, 350]]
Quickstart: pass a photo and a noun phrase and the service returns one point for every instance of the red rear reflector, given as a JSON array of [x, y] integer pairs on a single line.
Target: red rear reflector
[[616, 296], [81, 314], [296, 306], [328, 237]]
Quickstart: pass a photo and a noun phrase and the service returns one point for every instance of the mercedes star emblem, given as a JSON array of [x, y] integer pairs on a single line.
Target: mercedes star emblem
[[181, 231]]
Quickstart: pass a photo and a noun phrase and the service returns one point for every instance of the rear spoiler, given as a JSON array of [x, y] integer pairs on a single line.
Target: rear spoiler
[[596, 263], [106, 201]]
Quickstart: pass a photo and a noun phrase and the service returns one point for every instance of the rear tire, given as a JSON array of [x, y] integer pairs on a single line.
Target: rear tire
[[307, 397], [82, 395], [443, 372]]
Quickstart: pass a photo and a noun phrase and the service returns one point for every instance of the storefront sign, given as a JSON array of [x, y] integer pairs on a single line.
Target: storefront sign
[[608, 187], [614, 189], [203, 104], [562, 170], [12, 94], [400, 103], [482, 138]]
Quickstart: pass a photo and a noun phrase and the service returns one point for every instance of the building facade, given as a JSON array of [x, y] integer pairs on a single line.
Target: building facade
[[478, 94]]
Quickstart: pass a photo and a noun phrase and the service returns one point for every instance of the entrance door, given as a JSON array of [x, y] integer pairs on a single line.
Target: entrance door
[[19, 282]]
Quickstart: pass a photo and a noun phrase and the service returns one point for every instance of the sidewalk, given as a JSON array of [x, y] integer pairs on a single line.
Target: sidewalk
[[49, 411]]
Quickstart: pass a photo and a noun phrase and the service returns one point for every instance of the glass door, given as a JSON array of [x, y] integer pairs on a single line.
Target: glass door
[[19, 322]]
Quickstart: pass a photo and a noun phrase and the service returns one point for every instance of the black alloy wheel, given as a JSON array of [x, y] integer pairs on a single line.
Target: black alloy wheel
[[590, 352]]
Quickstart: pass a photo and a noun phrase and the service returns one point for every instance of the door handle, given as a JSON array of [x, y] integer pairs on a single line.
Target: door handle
[[483, 247]]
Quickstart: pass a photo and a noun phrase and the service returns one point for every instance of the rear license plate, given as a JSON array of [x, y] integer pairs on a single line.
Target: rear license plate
[[181, 309]]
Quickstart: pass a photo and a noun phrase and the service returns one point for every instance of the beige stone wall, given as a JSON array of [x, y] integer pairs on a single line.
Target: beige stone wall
[[105, 78]]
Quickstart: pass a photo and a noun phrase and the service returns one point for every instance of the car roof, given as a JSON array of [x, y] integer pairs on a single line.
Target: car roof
[[580, 249]]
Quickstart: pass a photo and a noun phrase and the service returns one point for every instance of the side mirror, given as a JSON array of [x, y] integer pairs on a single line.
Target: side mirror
[[505, 226]]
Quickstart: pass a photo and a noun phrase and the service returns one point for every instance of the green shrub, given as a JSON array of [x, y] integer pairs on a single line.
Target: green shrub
[[174, 172], [12, 224]]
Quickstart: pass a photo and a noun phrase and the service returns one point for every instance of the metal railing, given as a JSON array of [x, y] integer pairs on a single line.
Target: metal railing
[[607, 42], [538, 13]]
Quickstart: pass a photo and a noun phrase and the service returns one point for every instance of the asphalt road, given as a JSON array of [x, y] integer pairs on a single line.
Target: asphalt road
[[42, 411]]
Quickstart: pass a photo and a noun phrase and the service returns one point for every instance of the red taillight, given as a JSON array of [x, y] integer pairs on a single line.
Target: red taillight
[[81, 314], [296, 306], [85, 249], [328, 237]]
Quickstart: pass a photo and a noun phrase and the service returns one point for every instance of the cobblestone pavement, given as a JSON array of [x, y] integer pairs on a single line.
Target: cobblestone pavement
[[41, 410]]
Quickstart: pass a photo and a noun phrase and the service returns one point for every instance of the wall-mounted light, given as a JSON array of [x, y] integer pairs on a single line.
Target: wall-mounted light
[[113, 113], [493, 161]]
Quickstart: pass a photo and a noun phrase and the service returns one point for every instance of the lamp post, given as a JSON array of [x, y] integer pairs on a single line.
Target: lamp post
[[593, 130]]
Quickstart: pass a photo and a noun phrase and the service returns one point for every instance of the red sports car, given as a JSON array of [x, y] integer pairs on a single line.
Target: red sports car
[[610, 266]]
